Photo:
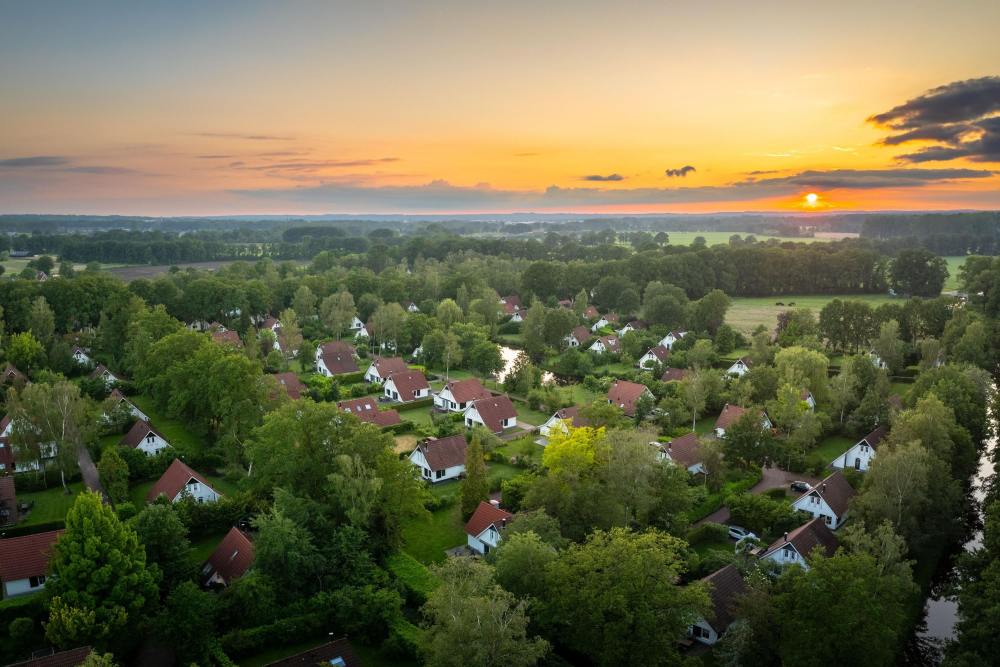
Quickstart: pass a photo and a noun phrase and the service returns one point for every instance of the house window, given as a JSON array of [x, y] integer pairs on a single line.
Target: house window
[[35, 582], [427, 473], [699, 632], [149, 438], [857, 464], [439, 474], [789, 553]]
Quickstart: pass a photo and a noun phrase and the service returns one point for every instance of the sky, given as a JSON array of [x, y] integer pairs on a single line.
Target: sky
[[239, 108]]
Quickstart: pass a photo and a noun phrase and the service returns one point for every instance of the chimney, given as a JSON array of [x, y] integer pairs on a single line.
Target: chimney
[[786, 536], [670, 446], [495, 502], [503, 522], [822, 488]]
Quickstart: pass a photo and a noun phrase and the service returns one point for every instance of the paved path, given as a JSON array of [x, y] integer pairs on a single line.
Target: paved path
[[91, 478], [772, 478]]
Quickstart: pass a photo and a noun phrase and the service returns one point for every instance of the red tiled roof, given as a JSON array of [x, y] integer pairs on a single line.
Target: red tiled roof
[[610, 343], [366, 409], [685, 450], [807, 537], [660, 352], [674, 375], [486, 515], [835, 490], [464, 391], [442, 453], [590, 312], [269, 323], [572, 413], [623, 394], [386, 366], [337, 346], [339, 363], [173, 481], [726, 585], [494, 410], [292, 384], [581, 334], [227, 338], [71, 658], [730, 415], [232, 558], [26, 556], [408, 383], [322, 655], [137, 433]]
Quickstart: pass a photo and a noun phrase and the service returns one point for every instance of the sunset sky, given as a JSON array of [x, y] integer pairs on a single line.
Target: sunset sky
[[215, 108]]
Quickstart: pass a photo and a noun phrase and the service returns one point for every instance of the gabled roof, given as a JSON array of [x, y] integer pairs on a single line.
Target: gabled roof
[[233, 557], [674, 375], [637, 325], [610, 343], [71, 658], [730, 415], [494, 410], [835, 490], [660, 352], [746, 361], [875, 437], [386, 366], [464, 391], [339, 362], [624, 394], [270, 323], [174, 480], [26, 556], [513, 299], [138, 433], [611, 317], [572, 414], [337, 346], [725, 587], [408, 382], [685, 450], [581, 334], [100, 371], [807, 537], [227, 338], [366, 409], [486, 515], [11, 374], [590, 312], [292, 384], [442, 453], [326, 654]]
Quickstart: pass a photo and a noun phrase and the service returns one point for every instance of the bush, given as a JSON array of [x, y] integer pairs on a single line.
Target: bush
[[204, 519], [776, 494], [18, 531], [48, 478], [416, 579], [125, 511], [414, 405], [142, 467], [441, 502], [708, 532], [404, 640], [295, 628]]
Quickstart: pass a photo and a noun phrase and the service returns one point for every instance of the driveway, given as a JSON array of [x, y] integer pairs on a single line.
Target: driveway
[[772, 478], [91, 478]]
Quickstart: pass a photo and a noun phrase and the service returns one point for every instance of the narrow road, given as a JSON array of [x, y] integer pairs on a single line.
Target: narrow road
[[91, 478]]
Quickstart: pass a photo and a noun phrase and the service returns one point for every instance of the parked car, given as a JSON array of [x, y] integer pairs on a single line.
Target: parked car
[[738, 533], [801, 487]]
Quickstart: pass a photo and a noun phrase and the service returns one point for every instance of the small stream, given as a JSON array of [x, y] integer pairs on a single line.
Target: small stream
[[941, 610]]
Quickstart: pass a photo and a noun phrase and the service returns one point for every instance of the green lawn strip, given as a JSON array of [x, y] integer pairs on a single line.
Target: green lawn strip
[[176, 433], [502, 471], [706, 547], [426, 539], [414, 574], [829, 449], [746, 313], [449, 487], [954, 264], [525, 446], [201, 549], [370, 656], [49, 505]]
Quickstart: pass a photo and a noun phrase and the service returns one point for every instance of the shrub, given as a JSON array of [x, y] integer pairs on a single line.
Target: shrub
[[708, 532]]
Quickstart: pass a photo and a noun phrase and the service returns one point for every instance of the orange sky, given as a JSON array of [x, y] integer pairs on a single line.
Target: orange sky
[[238, 108]]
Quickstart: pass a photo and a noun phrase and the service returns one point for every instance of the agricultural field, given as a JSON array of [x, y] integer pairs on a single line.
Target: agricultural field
[[954, 264], [746, 313], [715, 238]]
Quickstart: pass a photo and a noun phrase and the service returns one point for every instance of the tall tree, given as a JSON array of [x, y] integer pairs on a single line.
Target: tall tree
[[101, 587], [476, 485], [42, 321], [336, 312], [114, 474]]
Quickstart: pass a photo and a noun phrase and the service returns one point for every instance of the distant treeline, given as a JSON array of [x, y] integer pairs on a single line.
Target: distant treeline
[[944, 234]]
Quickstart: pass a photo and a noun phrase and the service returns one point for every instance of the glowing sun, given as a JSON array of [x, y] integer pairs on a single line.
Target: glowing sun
[[812, 199]]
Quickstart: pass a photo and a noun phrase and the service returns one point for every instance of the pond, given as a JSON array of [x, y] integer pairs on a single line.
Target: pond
[[509, 355]]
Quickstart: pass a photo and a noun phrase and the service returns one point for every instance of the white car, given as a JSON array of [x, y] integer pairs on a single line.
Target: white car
[[738, 533]]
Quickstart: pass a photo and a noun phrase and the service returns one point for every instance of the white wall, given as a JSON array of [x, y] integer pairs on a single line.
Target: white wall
[[153, 448], [417, 458], [712, 636], [863, 453], [20, 587], [200, 492]]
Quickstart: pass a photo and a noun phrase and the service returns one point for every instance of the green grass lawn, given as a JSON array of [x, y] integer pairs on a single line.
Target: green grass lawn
[[954, 264], [522, 447], [419, 416], [501, 471], [715, 238], [176, 433], [370, 656], [746, 313], [50, 505], [829, 449], [581, 395], [427, 539], [203, 548]]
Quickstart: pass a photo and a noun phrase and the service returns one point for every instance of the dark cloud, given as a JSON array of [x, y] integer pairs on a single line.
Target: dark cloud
[[239, 135], [33, 162], [959, 116], [761, 172], [60, 163], [441, 196], [602, 178], [680, 173], [316, 165]]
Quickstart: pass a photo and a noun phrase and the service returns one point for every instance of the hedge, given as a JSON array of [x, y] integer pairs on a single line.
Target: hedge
[[401, 427], [414, 405], [404, 639], [34, 529], [254, 640], [416, 579], [47, 478], [350, 378]]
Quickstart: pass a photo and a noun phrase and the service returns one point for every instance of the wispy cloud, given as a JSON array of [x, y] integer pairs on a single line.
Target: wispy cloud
[[602, 178], [319, 165], [443, 196], [959, 116], [34, 161], [50, 163], [240, 135], [680, 173]]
